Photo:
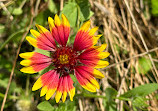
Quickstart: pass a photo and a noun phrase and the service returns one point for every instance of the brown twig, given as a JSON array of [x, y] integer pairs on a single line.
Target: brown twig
[[14, 63], [139, 55], [140, 34]]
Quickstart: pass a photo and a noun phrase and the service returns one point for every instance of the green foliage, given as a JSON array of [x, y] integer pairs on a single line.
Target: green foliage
[[154, 6], [84, 9], [144, 65], [137, 95], [70, 11], [45, 106], [67, 106], [142, 90], [52, 6], [2, 28], [139, 103], [17, 11], [79, 10], [109, 103]]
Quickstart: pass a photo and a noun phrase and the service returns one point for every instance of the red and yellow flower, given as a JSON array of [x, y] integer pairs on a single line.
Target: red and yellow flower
[[81, 59]]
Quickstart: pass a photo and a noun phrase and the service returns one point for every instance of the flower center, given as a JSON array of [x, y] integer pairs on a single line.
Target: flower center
[[64, 59]]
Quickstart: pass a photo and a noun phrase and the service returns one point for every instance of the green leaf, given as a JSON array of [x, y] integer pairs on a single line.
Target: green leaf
[[45, 106], [139, 102], [2, 28], [42, 51], [11, 37], [84, 7], [52, 6], [17, 11], [42, 17], [154, 6], [109, 103], [70, 11], [73, 77], [142, 90], [110, 93], [144, 65]]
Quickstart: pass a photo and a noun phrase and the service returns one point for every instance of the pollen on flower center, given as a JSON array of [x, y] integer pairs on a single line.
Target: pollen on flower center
[[64, 59]]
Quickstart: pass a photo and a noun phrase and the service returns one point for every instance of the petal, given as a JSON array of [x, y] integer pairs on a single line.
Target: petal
[[49, 83], [59, 90], [66, 27], [100, 48], [95, 63], [32, 41], [59, 29], [33, 55], [102, 64], [87, 75], [57, 21], [93, 53], [35, 68], [64, 96], [37, 60], [84, 38], [25, 62], [52, 86], [98, 74], [35, 33], [95, 39], [103, 55], [29, 69], [65, 88], [41, 29], [84, 82], [51, 23], [71, 89], [43, 91], [37, 85], [92, 71], [93, 30], [42, 80], [45, 37], [49, 93], [26, 55], [85, 26]]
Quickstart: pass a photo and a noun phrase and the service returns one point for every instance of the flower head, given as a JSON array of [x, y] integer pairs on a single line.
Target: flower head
[[81, 59]]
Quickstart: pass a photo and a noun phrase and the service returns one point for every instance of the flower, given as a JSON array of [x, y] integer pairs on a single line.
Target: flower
[[81, 59]]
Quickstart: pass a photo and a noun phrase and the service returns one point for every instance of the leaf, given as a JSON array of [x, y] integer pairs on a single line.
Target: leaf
[[70, 11], [2, 28], [110, 93], [144, 65], [42, 17], [139, 102], [17, 11], [73, 78], [84, 7], [109, 103], [142, 90], [11, 37], [52, 6], [154, 6], [45, 106], [44, 52]]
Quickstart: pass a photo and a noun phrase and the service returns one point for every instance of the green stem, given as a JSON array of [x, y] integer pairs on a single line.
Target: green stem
[[27, 85], [11, 37], [91, 95], [10, 97]]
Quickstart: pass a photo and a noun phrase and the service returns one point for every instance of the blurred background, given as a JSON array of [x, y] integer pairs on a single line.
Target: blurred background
[[130, 30]]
